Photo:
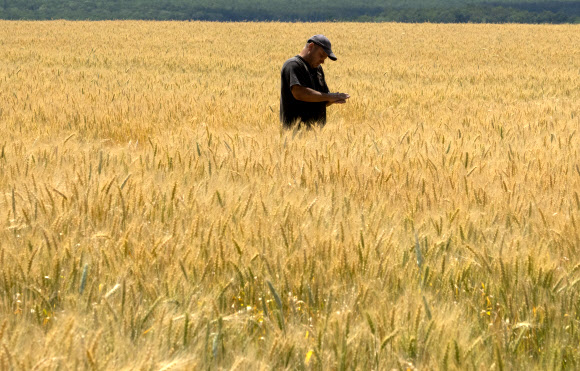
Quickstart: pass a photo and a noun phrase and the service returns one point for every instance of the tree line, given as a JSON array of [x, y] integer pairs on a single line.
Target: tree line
[[436, 11]]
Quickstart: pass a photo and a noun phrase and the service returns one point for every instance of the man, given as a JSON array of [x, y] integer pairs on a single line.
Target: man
[[304, 94]]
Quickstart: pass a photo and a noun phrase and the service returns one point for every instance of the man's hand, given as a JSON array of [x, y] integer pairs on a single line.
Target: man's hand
[[341, 98], [338, 97]]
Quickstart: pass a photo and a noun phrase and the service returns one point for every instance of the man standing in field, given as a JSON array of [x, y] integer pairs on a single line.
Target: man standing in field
[[305, 95]]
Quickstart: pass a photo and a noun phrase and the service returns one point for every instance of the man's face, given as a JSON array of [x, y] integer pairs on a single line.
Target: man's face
[[318, 55]]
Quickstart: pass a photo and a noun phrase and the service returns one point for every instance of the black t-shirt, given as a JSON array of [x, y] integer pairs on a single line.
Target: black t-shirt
[[296, 71]]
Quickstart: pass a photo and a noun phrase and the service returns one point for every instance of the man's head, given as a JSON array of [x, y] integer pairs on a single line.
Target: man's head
[[316, 51]]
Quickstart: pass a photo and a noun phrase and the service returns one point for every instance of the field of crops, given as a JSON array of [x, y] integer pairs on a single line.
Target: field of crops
[[153, 214]]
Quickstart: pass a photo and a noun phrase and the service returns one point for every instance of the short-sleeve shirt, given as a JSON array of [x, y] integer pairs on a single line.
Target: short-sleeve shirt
[[296, 71]]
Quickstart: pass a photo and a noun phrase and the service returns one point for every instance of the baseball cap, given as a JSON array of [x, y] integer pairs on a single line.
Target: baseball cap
[[324, 43]]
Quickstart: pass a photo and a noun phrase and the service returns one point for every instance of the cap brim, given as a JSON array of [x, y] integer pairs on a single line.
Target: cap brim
[[328, 52]]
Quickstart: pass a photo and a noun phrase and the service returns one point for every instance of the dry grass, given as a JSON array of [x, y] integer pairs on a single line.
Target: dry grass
[[154, 215]]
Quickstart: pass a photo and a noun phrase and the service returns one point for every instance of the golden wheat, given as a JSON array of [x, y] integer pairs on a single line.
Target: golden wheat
[[155, 215]]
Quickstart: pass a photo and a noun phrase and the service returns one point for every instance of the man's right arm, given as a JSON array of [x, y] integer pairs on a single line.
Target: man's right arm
[[310, 95]]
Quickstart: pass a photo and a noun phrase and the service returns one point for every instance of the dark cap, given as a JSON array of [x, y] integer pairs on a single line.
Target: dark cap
[[324, 43]]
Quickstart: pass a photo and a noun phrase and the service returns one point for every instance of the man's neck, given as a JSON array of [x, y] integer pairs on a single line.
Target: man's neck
[[306, 58]]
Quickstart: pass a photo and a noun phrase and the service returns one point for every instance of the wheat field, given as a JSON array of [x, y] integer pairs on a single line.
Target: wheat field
[[154, 215]]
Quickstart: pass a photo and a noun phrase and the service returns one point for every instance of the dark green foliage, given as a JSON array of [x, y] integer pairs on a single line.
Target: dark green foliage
[[449, 11]]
